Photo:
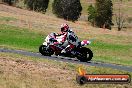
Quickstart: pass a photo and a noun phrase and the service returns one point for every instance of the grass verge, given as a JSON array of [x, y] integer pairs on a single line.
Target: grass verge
[[18, 71], [7, 19], [19, 38], [25, 39]]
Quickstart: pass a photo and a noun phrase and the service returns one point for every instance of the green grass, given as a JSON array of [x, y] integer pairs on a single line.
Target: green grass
[[25, 39], [112, 53], [115, 47], [19, 38], [113, 59], [7, 19]]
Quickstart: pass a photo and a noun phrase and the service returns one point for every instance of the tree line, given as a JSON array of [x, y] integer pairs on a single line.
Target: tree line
[[100, 14]]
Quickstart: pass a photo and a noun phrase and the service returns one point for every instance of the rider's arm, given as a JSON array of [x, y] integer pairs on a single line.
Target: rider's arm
[[59, 34]]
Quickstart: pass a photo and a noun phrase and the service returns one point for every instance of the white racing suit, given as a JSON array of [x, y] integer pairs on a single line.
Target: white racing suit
[[71, 41], [68, 40]]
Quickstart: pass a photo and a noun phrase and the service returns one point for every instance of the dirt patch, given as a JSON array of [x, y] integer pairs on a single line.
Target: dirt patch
[[47, 23], [26, 72], [32, 74]]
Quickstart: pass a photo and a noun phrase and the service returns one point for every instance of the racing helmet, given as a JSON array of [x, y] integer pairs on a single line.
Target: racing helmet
[[64, 27]]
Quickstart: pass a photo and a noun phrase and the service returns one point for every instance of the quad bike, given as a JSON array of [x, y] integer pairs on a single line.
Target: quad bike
[[82, 53]]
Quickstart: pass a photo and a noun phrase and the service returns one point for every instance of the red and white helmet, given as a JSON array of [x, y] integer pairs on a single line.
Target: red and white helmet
[[64, 27]]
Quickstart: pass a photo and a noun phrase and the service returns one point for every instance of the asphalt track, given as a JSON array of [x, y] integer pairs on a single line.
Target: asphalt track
[[71, 60]]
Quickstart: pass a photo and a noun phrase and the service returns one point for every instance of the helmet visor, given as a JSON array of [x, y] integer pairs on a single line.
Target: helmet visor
[[62, 29]]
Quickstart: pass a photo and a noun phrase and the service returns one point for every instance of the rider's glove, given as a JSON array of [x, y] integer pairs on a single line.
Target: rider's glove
[[63, 51], [56, 43]]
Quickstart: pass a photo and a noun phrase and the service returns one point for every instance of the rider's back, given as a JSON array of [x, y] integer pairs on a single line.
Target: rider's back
[[72, 38]]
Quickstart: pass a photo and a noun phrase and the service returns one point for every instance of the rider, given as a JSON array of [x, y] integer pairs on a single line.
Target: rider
[[70, 39]]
